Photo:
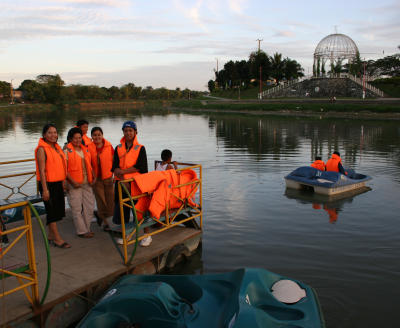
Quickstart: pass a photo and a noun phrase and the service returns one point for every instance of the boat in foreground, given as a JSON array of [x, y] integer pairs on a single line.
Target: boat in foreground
[[325, 182], [242, 298]]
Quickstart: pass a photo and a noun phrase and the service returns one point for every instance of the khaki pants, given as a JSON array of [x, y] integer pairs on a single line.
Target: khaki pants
[[81, 201], [104, 193]]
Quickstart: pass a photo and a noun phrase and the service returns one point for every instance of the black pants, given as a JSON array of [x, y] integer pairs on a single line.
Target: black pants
[[55, 206]]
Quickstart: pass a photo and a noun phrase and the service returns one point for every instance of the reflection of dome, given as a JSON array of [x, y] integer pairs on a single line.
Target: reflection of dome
[[336, 46]]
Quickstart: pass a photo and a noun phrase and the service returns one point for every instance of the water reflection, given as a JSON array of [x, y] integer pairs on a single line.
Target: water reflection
[[307, 137], [331, 205]]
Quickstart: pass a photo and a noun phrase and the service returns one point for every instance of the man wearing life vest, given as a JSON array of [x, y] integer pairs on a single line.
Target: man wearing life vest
[[130, 159], [335, 163], [84, 126], [318, 164]]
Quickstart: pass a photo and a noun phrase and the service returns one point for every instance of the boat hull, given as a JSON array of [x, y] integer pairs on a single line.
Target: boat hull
[[325, 183], [242, 298]]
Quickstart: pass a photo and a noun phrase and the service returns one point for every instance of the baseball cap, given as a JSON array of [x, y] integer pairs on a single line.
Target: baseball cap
[[129, 124]]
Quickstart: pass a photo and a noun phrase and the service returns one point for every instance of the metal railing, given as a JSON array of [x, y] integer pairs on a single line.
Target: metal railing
[[17, 190], [279, 87], [26, 274], [367, 86], [171, 216]]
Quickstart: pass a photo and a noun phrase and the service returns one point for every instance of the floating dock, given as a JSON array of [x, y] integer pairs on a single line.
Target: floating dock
[[81, 274]]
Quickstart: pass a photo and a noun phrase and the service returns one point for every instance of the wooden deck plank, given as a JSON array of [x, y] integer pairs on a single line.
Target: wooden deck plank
[[87, 261]]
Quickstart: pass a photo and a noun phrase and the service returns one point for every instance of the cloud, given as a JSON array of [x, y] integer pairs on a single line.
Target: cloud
[[237, 6], [284, 33], [96, 3], [157, 76]]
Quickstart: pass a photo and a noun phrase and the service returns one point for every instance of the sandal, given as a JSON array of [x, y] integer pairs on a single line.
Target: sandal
[[63, 245], [86, 235], [106, 228]]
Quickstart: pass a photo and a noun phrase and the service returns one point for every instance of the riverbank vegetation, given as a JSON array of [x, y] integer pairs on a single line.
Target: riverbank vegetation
[[295, 106], [52, 89], [246, 74]]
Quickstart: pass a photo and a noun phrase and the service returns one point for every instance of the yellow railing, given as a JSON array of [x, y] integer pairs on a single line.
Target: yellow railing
[[26, 275], [170, 218], [15, 190]]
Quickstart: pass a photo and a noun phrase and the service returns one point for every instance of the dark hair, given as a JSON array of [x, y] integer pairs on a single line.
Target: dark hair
[[81, 122], [166, 154], [72, 132], [336, 153], [318, 158], [96, 128], [47, 127]]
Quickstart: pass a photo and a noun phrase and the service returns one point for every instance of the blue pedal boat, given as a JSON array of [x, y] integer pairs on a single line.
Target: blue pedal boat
[[238, 299], [323, 182]]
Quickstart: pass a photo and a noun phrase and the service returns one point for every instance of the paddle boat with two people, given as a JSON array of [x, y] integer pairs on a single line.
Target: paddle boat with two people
[[325, 182]]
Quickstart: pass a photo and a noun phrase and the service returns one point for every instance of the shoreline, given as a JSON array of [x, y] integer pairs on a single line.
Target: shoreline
[[292, 113], [375, 109]]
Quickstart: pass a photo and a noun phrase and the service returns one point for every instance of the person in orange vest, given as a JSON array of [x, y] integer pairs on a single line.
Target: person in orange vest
[[102, 153], [130, 159], [318, 164], [335, 163], [51, 174], [84, 126], [80, 177]]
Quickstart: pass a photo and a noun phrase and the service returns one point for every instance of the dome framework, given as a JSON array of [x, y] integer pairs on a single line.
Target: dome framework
[[335, 48]]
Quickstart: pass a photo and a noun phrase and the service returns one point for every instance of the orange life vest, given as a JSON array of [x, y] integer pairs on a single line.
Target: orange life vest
[[128, 159], [74, 164], [333, 163], [319, 165], [160, 184], [55, 162], [86, 140], [105, 157]]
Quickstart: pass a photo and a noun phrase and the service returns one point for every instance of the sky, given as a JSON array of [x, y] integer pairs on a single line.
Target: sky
[[177, 43]]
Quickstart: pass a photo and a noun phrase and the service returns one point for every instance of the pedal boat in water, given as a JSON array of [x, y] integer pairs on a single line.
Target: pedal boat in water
[[239, 299], [325, 182]]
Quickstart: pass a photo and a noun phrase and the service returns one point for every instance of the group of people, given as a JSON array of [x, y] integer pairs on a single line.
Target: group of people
[[88, 170], [333, 164]]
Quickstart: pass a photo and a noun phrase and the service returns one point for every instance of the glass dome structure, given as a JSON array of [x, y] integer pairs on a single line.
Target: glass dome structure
[[336, 48]]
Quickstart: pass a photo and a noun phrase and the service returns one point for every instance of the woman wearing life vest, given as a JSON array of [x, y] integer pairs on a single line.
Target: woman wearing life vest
[[84, 126], [130, 159], [51, 174], [318, 164], [79, 177], [102, 152], [335, 163]]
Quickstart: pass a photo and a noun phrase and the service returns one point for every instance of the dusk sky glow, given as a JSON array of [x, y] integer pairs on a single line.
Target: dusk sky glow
[[176, 43]]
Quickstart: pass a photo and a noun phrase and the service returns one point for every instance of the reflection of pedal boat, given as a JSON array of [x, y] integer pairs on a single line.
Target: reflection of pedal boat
[[326, 183], [242, 298], [337, 200]]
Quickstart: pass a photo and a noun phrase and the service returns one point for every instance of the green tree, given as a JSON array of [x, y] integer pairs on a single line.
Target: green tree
[[292, 69], [33, 91], [5, 89], [52, 86], [257, 59], [277, 67], [211, 85]]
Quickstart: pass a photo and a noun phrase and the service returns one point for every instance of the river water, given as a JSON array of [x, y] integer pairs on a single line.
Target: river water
[[351, 257]]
